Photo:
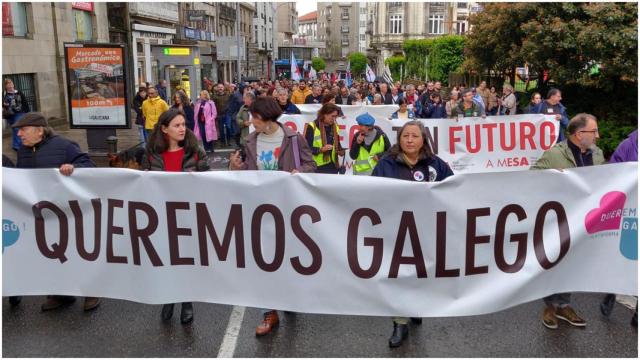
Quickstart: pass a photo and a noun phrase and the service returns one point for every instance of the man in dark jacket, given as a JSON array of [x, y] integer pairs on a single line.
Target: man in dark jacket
[[221, 99], [344, 98], [315, 97], [387, 99], [14, 106], [42, 148]]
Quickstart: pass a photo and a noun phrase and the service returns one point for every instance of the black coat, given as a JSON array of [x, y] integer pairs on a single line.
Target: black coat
[[52, 152], [349, 100]]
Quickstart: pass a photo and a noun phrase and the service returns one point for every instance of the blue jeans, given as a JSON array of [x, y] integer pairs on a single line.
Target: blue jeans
[[16, 142], [143, 134]]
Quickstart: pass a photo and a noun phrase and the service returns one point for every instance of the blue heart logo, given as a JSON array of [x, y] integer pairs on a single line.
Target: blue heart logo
[[629, 238], [10, 233]]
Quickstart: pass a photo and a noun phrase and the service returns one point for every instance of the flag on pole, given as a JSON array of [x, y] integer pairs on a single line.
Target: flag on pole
[[312, 73], [295, 71], [371, 76], [387, 75], [348, 79]]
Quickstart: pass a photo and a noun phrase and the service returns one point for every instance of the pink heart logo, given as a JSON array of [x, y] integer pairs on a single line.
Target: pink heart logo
[[608, 215]]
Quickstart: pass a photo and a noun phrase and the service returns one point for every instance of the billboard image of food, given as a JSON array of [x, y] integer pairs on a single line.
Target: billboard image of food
[[96, 83]]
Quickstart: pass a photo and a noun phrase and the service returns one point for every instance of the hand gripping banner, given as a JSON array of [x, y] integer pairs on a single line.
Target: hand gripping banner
[[472, 244]]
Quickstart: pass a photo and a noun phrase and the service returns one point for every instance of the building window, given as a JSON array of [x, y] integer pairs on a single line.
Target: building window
[[436, 24], [462, 5], [14, 19], [395, 24], [345, 52], [363, 23], [461, 27], [82, 25], [362, 37], [345, 13]]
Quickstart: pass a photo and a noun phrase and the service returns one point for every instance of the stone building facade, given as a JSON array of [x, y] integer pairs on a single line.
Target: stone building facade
[[33, 48]]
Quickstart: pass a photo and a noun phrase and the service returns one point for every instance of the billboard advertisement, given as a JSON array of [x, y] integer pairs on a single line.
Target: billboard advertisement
[[96, 85]]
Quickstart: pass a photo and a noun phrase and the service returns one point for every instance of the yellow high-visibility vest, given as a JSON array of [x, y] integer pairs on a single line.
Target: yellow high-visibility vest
[[365, 162], [317, 142]]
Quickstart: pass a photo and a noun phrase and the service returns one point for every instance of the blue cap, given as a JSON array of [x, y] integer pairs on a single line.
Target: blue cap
[[365, 119]]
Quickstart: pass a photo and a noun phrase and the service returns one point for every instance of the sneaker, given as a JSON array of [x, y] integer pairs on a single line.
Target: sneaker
[[548, 317], [569, 315]]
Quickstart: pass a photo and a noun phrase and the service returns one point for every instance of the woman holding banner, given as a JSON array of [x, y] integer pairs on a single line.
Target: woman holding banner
[[272, 147], [173, 147], [410, 159], [323, 139]]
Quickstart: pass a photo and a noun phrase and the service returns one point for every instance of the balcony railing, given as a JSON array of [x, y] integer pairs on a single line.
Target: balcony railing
[[345, 42]]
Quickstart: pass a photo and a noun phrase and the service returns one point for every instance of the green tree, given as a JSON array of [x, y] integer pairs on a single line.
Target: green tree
[[565, 39], [396, 63], [445, 55], [318, 63], [358, 63]]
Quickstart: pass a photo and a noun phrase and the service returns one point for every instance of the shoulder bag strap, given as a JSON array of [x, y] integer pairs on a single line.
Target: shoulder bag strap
[[296, 152]]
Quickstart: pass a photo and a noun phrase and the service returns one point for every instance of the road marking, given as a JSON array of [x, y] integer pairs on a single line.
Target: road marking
[[228, 346]]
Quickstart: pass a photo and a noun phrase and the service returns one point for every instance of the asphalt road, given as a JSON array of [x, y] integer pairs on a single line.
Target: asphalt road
[[126, 329]]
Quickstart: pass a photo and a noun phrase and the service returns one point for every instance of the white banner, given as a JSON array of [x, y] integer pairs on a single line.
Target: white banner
[[472, 244], [470, 145]]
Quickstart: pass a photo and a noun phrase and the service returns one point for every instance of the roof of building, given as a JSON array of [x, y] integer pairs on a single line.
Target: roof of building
[[310, 16]]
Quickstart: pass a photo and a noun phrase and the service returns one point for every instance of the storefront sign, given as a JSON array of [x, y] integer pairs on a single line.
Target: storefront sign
[[195, 15], [177, 51], [96, 86], [86, 6]]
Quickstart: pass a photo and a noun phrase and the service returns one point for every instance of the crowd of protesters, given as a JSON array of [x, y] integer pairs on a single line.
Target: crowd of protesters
[[219, 117], [172, 129]]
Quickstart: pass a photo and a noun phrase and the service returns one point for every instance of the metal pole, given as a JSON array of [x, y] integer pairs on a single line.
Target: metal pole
[[238, 38]]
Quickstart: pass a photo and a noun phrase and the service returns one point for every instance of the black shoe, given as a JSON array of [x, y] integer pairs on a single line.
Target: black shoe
[[57, 301], [186, 314], [400, 332], [606, 306], [15, 300], [417, 321], [167, 312]]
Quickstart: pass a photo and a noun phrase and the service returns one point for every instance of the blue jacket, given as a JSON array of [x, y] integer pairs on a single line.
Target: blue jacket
[[426, 169], [411, 114], [564, 120], [52, 152], [435, 112], [290, 108]]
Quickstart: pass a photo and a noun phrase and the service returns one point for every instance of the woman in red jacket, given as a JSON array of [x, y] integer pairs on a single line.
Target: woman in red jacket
[[173, 147]]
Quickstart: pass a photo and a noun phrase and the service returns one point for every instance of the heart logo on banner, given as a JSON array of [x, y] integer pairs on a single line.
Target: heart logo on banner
[[608, 215]]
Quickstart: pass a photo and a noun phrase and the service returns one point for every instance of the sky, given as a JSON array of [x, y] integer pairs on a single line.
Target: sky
[[306, 6]]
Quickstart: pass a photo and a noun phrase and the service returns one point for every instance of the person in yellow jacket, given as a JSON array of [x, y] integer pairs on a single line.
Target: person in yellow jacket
[[300, 94], [324, 140], [152, 108], [368, 145]]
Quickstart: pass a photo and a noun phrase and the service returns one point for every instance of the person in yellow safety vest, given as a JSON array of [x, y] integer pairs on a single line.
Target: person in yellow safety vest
[[322, 136], [368, 145]]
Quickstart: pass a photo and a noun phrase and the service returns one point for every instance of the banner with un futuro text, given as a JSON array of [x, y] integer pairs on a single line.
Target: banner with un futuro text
[[472, 244], [469, 145]]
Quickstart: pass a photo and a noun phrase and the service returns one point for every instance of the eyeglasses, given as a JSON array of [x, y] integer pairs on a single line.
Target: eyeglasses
[[590, 131]]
